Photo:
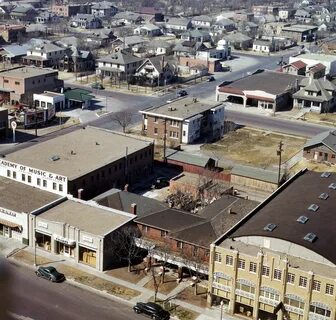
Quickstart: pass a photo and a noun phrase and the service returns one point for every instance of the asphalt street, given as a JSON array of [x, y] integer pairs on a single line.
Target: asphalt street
[[30, 298]]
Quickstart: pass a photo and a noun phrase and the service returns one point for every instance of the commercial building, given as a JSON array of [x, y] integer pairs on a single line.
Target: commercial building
[[19, 84], [69, 10], [3, 122], [279, 261], [300, 33], [80, 231], [11, 33], [17, 201], [50, 101], [84, 162], [184, 121]]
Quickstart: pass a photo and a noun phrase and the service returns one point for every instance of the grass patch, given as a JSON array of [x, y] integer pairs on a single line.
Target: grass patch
[[166, 287], [326, 118], [134, 276], [254, 147], [313, 166], [189, 296], [178, 311]]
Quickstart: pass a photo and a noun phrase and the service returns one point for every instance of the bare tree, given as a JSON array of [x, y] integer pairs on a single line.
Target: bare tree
[[123, 119]]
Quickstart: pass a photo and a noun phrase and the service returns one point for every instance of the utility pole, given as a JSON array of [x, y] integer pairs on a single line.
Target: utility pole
[[165, 141], [279, 153], [35, 120]]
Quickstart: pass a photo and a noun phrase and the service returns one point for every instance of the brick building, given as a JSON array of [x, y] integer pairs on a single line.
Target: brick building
[[12, 33], [321, 148], [69, 10], [184, 121], [213, 64]]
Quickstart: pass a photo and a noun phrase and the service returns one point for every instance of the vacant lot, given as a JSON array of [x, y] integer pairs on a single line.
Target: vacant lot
[[313, 166], [253, 147], [324, 118]]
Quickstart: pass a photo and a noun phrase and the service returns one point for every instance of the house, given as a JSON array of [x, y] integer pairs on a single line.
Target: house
[[224, 25], [321, 148], [86, 21], [121, 65], [178, 24], [297, 67], [44, 55], [12, 33], [267, 90], [76, 60], [196, 35], [312, 59], [243, 16], [47, 17], [316, 95], [317, 71], [64, 169], [70, 9], [302, 15], [202, 21], [264, 46], [221, 51], [238, 40], [286, 14], [249, 28], [13, 53], [184, 121], [148, 29], [274, 29], [156, 71], [20, 83], [262, 259], [199, 65], [129, 42], [104, 9], [127, 18], [300, 32], [23, 13], [100, 38], [159, 47]]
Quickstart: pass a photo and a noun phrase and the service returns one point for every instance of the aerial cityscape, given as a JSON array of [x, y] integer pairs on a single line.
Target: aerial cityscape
[[171, 159]]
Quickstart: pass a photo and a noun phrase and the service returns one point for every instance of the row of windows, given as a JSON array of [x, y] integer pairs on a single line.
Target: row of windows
[[39, 181], [277, 274], [173, 134], [16, 82]]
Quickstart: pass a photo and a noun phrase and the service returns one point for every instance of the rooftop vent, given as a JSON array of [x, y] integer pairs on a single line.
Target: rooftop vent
[[270, 227], [313, 207], [302, 219], [324, 196], [311, 237], [55, 158], [325, 175], [332, 186]]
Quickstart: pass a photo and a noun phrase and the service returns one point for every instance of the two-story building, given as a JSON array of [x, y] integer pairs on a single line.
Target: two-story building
[[70, 9], [184, 121], [12, 33], [86, 21], [104, 9], [300, 33]]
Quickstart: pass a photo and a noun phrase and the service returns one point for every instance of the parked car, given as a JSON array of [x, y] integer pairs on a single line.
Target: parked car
[[50, 273], [97, 86], [210, 79], [160, 182], [226, 68], [182, 93], [152, 310]]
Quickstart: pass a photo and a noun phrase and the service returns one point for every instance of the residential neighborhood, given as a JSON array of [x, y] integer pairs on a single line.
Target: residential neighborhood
[[168, 159]]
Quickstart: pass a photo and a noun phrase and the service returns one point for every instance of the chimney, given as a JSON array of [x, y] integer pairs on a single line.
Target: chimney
[[230, 211], [311, 77], [134, 208], [126, 187], [163, 61], [79, 193]]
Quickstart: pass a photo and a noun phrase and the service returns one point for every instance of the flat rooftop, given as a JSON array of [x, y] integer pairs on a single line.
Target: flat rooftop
[[181, 109], [51, 94], [26, 72], [299, 28], [91, 219], [268, 81], [80, 152], [317, 57], [12, 196]]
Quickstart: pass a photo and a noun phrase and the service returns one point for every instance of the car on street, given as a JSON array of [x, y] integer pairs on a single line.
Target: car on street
[[182, 93], [160, 182], [50, 273], [152, 310], [97, 86], [226, 68], [210, 79]]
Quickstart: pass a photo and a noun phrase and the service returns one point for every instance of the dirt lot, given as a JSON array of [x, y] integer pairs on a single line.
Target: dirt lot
[[169, 284], [314, 166], [254, 147], [324, 118], [178, 311], [188, 295], [134, 276]]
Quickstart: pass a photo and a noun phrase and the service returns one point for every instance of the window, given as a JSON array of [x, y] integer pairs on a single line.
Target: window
[[155, 119], [317, 285], [44, 183], [229, 260], [163, 234], [184, 133], [60, 187], [245, 287], [179, 244], [319, 310], [6, 81], [144, 228], [218, 257], [277, 274], [54, 186], [155, 130], [29, 179], [265, 271], [241, 264], [14, 175], [303, 282], [8, 173], [38, 181], [290, 278], [269, 294], [253, 267], [291, 301], [17, 83], [23, 177], [329, 289]]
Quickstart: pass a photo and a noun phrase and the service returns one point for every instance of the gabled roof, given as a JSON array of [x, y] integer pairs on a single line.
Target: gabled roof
[[224, 22], [178, 21], [120, 57], [202, 18], [327, 138], [188, 158], [15, 50], [299, 64], [103, 5], [317, 67]]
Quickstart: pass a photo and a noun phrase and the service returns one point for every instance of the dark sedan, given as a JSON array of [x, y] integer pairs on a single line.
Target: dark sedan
[[152, 310], [50, 273]]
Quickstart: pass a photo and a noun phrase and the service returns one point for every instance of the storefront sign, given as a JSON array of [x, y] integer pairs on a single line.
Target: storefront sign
[[66, 241], [42, 224], [8, 212], [87, 239], [25, 169]]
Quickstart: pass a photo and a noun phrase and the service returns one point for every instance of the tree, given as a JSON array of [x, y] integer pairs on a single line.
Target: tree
[[123, 119]]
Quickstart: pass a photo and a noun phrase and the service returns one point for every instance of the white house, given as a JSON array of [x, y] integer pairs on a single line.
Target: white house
[[148, 29], [104, 9], [178, 24], [222, 51], [264, 46], [86, 21], [202, 21]]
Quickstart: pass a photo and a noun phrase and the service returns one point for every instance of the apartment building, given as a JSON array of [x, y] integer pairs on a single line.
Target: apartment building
[[279, 261], [184, 121], [69, 10], [19, 84]]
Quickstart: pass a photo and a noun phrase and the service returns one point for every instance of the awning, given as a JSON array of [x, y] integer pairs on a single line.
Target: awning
[[9, 224]]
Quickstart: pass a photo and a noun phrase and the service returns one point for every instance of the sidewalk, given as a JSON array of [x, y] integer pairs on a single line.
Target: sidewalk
[[102, 283]]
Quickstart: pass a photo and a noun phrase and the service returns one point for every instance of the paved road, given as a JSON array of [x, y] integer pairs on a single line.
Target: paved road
[[30, 297]]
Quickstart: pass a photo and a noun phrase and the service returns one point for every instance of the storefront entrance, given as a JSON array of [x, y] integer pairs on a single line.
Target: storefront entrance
[[9, 230], [87, 256], [43, 241], [243, 309], [264, 315], [66, 250]]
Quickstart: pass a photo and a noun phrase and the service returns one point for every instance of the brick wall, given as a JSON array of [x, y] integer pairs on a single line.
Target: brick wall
[[320, 154], [213, 65]]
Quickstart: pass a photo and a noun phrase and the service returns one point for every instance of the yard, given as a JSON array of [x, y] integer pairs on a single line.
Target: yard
[[188, 295], [169, 284], [253, 147], [134, 276], [323, 118]]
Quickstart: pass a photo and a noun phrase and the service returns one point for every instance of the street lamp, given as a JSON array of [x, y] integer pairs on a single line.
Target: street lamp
[[35, 262], [221, 309]]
